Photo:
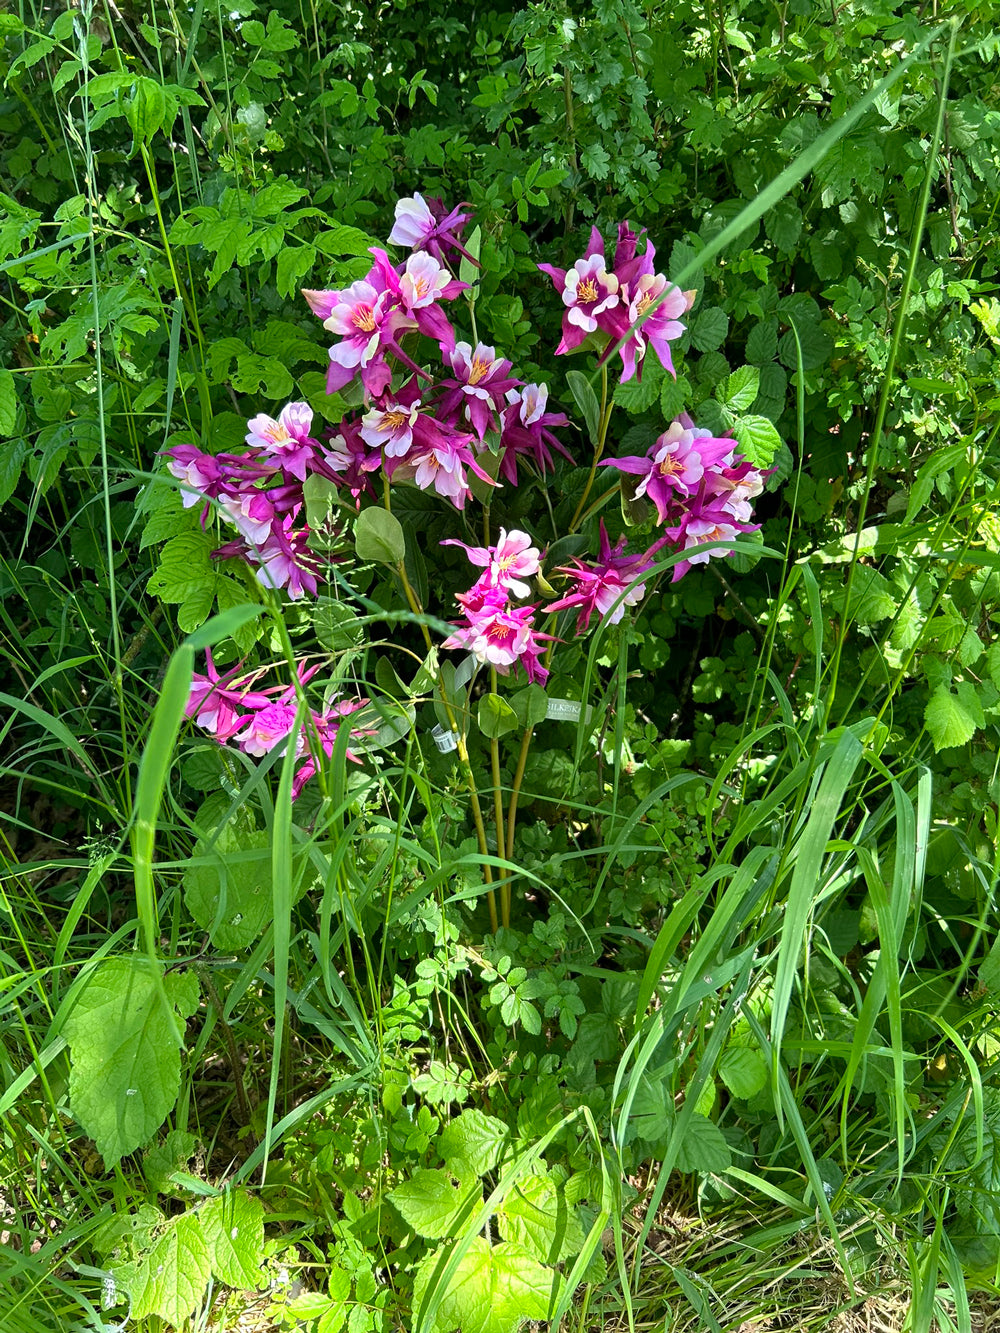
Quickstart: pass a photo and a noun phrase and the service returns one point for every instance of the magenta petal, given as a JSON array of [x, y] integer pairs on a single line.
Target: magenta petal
[[558, 275], [637, 466], [595, 245]]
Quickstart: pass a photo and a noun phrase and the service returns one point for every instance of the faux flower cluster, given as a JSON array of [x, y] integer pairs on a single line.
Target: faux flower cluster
[[469, 418], [614, 300], [230, 708], [259, 493], [699, 486], [496, 632]]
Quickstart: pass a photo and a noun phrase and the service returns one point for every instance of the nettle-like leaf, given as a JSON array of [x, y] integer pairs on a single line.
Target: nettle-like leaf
[[537, 1214], [186, 575], [432, 1204], [952, 717], [494, 1289], [228, 894], [758, 440], [170, 1279], [125, 1041], [703, 1147], [743, 1071], [473, 1143], [233, 1227]]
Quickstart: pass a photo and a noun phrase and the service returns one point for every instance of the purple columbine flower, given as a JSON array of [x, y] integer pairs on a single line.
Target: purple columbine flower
[[526, 430], [675, 465], [599, 587], [481, 382], [285, 442], [428, 225], [657, 330]]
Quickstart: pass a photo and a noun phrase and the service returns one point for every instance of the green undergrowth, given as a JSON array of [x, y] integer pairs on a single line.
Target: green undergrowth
[[729, 1053]]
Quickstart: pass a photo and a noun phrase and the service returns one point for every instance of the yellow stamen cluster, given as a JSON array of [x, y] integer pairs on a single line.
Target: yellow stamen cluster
[[587, 290]]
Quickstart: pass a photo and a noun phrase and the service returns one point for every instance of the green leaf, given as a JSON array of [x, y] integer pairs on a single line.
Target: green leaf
[[378, 536], [125, 1051], [467, 272], [743, 1071], [12, 456], [166, 1158], [233, 1227], [537, 1216], [496, 716], [989, 969], [952, 718], [531, 705], [783, 225], [8, 403], [703, 1147], [762, 344], [185, 568], [586, 400], [638, 395], [473, 1143], [337, 627], [758, 440], [145, 110], [709, 329], [873, 596], [171, 1278], [431, 1203], [294, 262], [494, 1289], [231, 899], [738, 390]]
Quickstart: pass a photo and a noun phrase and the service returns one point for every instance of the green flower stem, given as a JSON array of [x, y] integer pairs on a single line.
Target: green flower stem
[[602, 434], [498, 811], [463, 753], [522, 761]]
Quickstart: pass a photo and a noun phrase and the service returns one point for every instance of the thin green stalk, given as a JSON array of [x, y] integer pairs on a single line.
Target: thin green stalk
[[463, 753], [498, 811], [887, 381], [602, 435]]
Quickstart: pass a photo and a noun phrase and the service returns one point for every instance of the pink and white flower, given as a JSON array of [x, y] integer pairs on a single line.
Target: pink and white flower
[[507, 564], [390, 428], [285, 442], [500, 637]]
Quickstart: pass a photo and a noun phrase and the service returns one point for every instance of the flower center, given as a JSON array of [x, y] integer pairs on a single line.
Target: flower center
[[394, 418], [587, 290], [645, 301], [498, 631], [670, 466], [420, 287], [478, 369], [364, 319]]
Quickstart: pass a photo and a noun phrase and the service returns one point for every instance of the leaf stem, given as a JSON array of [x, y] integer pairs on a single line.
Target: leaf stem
[[602, 434]]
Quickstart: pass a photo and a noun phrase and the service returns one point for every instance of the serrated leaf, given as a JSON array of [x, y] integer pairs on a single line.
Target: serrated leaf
[[762, 344], [473, 1143], [379, 536], [233, 1227], [431, 1203], [538, 1216], [638, 395], [171, 1279], [185, 568], [703, 1147], [783, 225], [758, 440], [228, 898], [873, 596], [951, 717], [125, 1053], [8, 402], [336, 626], [494, 1289], [743, 1071], [709, 329], [495, 716], [738, 390], [163, 1160], [12, 456], [294, 262], [586, 400]]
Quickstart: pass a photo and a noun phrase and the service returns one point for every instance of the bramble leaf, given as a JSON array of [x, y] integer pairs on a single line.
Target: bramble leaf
[[473, 1143], [703, 1147]]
